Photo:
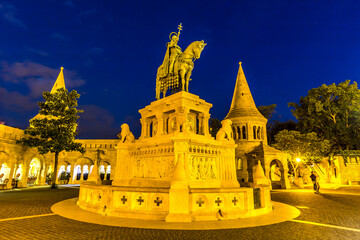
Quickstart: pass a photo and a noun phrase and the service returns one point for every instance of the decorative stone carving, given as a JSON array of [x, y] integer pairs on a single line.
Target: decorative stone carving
[[225, 133], [202, 168], [126, 136], [175, 71], [153, 168]]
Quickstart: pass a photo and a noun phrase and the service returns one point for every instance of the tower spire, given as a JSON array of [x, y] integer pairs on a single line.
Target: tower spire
[[242, 102], [60, 82]]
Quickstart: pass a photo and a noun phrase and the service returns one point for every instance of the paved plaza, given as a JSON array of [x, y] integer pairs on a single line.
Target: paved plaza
[[333, 214]]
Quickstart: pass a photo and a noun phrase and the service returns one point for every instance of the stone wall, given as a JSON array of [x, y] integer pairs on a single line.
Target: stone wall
[[350, 171], [27, 167]]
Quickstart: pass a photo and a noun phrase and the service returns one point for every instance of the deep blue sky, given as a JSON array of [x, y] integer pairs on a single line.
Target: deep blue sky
[[111, 51]]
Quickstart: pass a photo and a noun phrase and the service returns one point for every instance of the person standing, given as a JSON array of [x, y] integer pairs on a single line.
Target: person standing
[[315, 179]]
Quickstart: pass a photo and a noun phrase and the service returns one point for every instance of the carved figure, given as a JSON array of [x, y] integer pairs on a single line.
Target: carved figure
[[175, 71], [172, 52], [126, 136], [225, 133]]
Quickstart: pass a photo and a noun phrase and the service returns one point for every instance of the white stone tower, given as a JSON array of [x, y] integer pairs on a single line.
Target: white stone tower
[[249, 126], [249, 131]]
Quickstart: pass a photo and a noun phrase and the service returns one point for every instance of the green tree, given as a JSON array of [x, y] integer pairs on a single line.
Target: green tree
[[279, 126], [332, 111], [54, 128], [268, 112], [215, 125], [306, 146]]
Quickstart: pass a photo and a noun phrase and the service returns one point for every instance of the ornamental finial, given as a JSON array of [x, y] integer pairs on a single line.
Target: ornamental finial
[[180, 28]]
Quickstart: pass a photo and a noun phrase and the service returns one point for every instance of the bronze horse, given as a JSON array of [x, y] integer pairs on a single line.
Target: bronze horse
[[183, 67]]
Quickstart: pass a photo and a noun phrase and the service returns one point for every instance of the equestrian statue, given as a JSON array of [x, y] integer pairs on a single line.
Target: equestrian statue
[[175, 71]]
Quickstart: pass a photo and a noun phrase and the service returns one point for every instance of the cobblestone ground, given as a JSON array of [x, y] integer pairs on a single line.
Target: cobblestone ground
[[328, 208]]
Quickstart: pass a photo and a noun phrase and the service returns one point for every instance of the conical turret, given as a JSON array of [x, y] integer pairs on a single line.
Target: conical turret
[[242, 103], [248, 123], [60, 82]]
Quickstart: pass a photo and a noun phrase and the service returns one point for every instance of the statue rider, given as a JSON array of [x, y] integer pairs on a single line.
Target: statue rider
[[172, 52]]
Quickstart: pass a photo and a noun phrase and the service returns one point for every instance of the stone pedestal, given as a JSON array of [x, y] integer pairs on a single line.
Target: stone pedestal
[[94, 175], [179, 204], [175, 172]]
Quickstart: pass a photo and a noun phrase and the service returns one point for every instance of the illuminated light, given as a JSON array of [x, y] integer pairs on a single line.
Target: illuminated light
[[298, 159]]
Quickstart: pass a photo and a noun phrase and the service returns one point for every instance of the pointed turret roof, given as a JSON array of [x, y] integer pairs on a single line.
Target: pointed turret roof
[[242, 102], [60, 82]]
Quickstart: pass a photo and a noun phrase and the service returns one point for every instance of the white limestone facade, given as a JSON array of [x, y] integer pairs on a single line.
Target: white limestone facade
[[175, 171]]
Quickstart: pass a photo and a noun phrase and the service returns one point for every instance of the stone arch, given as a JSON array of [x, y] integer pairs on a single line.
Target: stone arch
[[34, 171], [104, 169], [4, 166], [19, 171], [64, 171], [244, 135], [63, 167], [86, 169], [82, 165], [239, 163], [84, 161], [4, 157], [277, 174], [151, 129]]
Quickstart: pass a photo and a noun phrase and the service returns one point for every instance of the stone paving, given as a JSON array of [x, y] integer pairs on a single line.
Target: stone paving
[[329, 207]]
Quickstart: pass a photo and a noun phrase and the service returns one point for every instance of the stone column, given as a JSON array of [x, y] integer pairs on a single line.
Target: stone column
[[12, 170], [205, 120], [74, 177], [143, 128], [94, 175], [228, 167], [160, 130], [72, 166], [147, 132], [82, 173], [42, 175], [179, 204], [200, 117], [24, 176], [123, 171]]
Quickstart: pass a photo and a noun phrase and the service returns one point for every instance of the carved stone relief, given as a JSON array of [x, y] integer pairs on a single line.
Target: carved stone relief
[[202, 168], [154, 168]]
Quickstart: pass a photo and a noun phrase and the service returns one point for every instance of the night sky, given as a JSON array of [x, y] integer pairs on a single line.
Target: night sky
[[110, 51]]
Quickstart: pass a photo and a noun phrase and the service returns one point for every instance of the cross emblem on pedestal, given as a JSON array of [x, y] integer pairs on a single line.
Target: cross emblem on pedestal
[[123, 199], [200, 201], [218, 201], [235, 200], [140, 200], [158, 201]]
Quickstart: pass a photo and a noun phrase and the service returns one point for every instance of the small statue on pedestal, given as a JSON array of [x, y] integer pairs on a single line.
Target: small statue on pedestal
[[126, 135], [225, 132]]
